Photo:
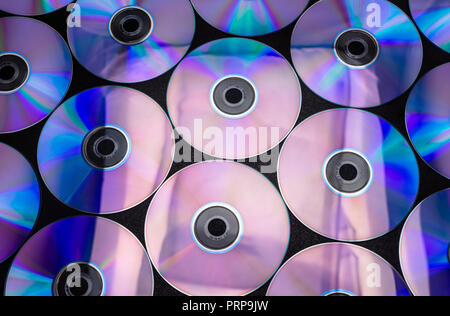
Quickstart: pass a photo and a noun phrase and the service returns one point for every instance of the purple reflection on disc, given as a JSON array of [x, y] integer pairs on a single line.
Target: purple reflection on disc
[[35, 72], [121, 265], [348, 174]]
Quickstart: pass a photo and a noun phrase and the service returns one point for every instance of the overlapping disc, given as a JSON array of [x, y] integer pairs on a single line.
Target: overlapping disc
[[248, 17], [357, 53], [81, 256], [337, 270], [35, 72], [234, 98], [106, 150], [19, 200], [428, 119], [33, 7], [348, 175], [433, 19], [217, 228], [425, 247], [132, 40]]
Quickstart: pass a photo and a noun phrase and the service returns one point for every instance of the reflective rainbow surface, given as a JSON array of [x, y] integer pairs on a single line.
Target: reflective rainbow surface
[[19, 200], [425, 247], [337, 269], [275, 113], [32, 7], [120, 257], [173, 30], [378, 210], [50, 74], [428, 118], [249, 17], [77, 183], [250, 263], [394, 71], [433, 18]]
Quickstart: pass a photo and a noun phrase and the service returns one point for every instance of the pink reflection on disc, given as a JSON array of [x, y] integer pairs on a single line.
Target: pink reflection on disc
[[381, 159], [337, 270], [274, 90], [241, 268]]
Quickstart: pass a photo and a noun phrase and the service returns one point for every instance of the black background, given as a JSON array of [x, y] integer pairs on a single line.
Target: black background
[[301, 237]]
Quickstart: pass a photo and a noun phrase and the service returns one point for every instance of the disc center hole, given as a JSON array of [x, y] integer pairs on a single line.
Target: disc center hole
[[448, 253], [131, 24], [338, 294], [348, 172], [83, 290], [217, 227], [7, 72], [234, 95], [78, 279], [356, 48], [106, 147]]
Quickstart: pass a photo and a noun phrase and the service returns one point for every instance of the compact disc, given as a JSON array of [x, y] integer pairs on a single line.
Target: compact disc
[[33, 7], [132, 40], [428, 118], [357, 53], [106, 150], [234, 98], [248, 17], [81, 256], [19, 200], [425, 247], [337, 270], [348, 174], [433, 19], [35, 72], [217, 229]]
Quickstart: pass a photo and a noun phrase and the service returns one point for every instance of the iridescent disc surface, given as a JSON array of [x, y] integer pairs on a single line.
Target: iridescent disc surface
[[425, 246], [337, 270], [249, 17], [93, 45], [428, 118], [276, 109], [50, 72], [112, 249], [393, 71], [244, 268], [433, 19], [81, 185], [19, 200], [32, 7], [374, 210]]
